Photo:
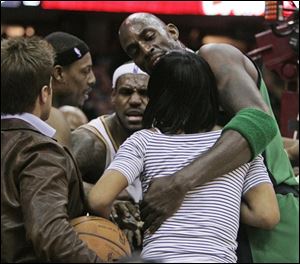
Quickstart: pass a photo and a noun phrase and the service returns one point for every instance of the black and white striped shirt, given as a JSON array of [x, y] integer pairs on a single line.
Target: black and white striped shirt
[[205, 226]]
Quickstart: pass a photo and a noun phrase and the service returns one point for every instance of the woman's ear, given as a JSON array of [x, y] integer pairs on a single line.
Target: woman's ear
[[173, 30]]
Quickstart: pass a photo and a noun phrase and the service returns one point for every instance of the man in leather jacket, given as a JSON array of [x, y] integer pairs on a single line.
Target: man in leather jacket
[[41, 188]]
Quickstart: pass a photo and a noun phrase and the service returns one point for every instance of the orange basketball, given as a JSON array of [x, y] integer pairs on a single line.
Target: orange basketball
[[102, 236]]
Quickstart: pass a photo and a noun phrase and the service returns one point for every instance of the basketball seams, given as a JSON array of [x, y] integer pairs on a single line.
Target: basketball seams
[[108, 230], [89, 219], [95, 235], [102, 236]]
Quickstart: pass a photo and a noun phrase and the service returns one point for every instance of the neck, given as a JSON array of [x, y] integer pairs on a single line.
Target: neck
[[117, 130], [37, 110]]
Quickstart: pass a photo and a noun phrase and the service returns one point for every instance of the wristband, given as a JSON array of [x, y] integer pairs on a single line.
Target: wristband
[[256, 126]]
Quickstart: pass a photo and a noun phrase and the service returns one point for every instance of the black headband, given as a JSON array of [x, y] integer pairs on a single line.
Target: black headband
[[71, 55]]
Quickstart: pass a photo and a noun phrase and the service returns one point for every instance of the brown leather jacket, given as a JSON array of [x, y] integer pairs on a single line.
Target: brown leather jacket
[[41, 190]]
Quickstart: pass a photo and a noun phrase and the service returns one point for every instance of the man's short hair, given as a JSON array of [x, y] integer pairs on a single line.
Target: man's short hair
[[26, 66]]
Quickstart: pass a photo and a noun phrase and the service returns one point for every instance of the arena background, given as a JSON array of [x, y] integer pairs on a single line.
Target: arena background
[[199, 22]]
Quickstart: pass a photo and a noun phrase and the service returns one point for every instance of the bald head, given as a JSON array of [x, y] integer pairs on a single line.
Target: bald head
[[145, 38], [141, 19]]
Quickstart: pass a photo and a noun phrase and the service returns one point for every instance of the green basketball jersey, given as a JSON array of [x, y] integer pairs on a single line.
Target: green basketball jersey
[[277, 160], [280, 245]]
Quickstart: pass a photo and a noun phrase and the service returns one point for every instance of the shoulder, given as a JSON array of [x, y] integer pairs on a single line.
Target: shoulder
[[40, 147], [139, 139], [258, 163], [143, 134], [82, 137], [221, 56], [57, 118], [90, 153], [226, 62], [219, 49], [257, 172]]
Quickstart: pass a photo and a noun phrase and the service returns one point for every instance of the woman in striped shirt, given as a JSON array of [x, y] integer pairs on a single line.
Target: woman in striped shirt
[[178, 121]]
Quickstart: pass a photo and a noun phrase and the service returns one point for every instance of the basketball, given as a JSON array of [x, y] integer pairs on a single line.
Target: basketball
[[102, 236]]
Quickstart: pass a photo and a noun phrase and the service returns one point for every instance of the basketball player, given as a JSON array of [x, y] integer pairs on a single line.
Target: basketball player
[[252, 130], [95, 144], [73, 78]]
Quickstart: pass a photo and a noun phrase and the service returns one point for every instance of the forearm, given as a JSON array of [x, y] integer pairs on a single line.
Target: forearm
[[228, 153], [98, 206], [61, 243], [105, 192], [45, 198]]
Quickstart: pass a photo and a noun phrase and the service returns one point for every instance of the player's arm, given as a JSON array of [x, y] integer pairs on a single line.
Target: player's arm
[[251, 128], [236, 78], [90, 154]]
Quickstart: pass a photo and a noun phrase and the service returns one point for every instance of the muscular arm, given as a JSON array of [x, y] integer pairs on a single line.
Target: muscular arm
[[236, 79], [90, 154]]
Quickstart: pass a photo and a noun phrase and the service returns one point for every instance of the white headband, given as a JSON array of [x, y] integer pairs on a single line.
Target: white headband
[[125, 69]]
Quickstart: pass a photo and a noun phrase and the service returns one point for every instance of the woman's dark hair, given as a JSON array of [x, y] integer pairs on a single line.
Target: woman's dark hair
[[182, 93]]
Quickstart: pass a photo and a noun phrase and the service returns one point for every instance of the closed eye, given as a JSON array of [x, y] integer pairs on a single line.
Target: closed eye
[[149, 35]]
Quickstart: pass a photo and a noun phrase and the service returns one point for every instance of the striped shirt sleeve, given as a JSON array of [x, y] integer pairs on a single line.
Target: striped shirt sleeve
[[129, 159], [256, 174]]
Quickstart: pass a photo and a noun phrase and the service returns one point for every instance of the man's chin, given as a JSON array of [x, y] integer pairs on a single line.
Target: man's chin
[[134, 127], [80, 104]]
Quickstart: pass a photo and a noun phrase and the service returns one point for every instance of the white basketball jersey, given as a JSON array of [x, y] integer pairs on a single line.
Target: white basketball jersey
[[135, 189]]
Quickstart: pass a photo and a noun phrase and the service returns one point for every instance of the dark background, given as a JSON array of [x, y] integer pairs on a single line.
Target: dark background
[[100, 31]]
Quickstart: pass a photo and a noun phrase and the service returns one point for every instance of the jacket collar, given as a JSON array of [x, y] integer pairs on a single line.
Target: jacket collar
[[30, 121]]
